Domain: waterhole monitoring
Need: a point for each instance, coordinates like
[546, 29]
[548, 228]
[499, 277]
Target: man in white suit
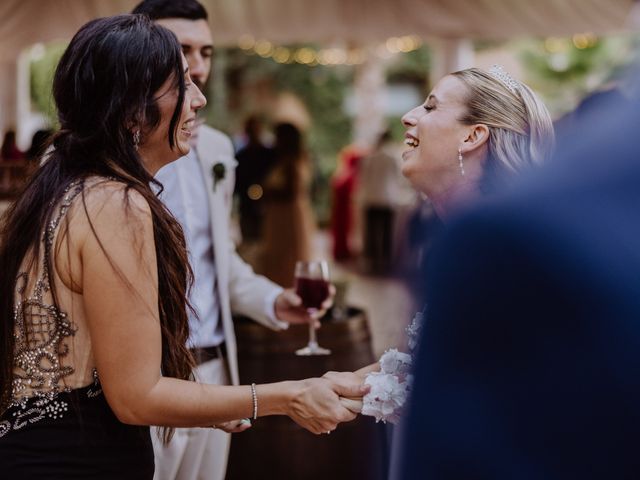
[198, 190]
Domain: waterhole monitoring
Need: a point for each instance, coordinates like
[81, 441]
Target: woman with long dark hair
[94, 275]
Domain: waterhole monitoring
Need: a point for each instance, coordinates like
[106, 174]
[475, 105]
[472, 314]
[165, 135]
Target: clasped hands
[317, 404]
[320, 408]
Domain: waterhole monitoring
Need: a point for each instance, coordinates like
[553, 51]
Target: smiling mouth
[411, 142]
[187, 126]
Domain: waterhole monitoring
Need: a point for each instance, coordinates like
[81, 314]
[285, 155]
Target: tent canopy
[349, 22]
[25, 22]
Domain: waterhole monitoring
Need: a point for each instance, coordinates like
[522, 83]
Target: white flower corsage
[390, 387]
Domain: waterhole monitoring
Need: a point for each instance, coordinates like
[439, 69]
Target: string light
[584, 40]
[246, 42]
[581, 41]
[326, 56]
[281, 55]
[264, 48]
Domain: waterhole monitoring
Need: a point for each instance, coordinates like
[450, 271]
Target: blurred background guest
[39, 144]
[10, 150]
[254, 161]
[289, 223]
[379, 192]
[343, 186]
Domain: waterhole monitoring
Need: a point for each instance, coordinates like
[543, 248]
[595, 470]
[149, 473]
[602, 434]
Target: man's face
[197, 45]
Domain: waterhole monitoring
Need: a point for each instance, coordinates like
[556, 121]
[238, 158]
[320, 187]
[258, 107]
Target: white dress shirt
[186, 197]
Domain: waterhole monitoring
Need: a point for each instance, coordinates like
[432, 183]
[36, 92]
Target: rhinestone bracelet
[254, 397]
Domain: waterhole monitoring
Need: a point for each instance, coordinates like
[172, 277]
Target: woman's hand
[289, 308]
[234, 426]
[345, 380]
[353, 404]
[364, 371]
[316, 404]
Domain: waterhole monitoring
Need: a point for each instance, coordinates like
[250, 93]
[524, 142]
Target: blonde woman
[473, 134]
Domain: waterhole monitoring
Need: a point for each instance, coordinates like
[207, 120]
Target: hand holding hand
[354, 404]
[234, 426]
[288, 308]
[317, 406]
[345, 380]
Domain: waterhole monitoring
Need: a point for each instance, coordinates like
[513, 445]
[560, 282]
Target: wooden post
[450, 55]
[8, 102]
[369, 91]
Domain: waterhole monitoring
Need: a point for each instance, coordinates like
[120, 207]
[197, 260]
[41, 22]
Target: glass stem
[313, 341]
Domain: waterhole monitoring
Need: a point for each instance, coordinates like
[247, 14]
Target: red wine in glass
[312, 291]
[312, 286]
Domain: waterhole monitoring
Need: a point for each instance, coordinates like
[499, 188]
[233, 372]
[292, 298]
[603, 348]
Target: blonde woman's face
[434, 134]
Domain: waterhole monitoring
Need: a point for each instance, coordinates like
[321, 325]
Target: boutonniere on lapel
[218, 171]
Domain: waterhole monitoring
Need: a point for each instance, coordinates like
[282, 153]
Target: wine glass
[312, 286]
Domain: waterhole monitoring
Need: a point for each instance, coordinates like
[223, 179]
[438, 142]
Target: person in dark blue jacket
[529, 361]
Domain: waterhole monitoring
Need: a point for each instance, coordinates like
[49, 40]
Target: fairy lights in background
[558, 49]
[354, 56]
[326, 56]
[580, 41]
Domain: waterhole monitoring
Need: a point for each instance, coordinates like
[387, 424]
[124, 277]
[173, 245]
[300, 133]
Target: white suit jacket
[240, 290]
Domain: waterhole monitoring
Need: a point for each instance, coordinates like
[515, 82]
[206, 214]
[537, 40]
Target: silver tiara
[499, 73]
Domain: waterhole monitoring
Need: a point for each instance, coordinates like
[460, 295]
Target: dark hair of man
[159, 9]
[104, 87]
[8, 144]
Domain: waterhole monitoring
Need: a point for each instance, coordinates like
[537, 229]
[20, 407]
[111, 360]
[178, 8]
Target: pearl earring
[460, 161]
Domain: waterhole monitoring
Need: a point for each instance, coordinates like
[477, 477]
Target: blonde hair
[520, 127]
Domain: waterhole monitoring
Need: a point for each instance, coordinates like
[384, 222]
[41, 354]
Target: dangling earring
[460, 161]
[136, 139]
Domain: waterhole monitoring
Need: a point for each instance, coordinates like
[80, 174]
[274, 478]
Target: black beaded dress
[47, 428]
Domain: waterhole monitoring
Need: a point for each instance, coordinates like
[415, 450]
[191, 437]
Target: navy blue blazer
[529, 362]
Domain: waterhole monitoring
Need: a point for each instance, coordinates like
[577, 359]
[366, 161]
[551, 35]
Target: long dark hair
[288, 143]
[289, 156]
[105, 84]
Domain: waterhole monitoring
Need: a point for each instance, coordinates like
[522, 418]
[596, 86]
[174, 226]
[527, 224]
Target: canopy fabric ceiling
[25, 22]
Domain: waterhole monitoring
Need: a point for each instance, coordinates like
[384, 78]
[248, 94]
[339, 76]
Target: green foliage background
[41, 80]
[322, 89]
[566, 75]
[562, 76]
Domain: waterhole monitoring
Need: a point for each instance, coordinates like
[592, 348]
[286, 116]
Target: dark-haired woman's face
[154, 147]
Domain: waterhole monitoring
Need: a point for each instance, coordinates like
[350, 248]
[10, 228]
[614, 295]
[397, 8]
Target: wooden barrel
[276, 447]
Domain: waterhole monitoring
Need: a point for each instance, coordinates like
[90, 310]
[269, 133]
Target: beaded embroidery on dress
[41, 336]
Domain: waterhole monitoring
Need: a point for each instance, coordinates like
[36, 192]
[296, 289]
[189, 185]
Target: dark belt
[204, 354]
